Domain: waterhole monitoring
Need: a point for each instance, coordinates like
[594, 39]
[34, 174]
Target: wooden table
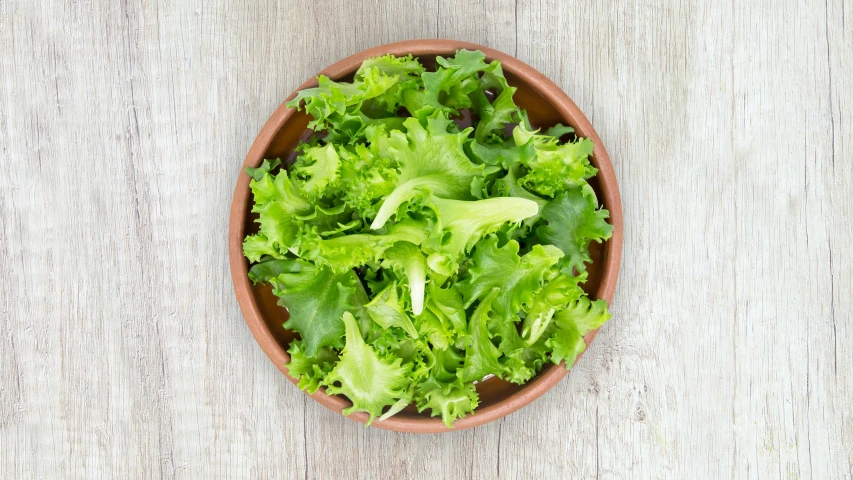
[123, 353]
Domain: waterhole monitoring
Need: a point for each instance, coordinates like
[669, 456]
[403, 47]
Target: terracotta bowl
[546, 105]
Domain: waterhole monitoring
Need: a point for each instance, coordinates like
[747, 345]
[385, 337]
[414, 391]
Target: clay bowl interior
[546, 105]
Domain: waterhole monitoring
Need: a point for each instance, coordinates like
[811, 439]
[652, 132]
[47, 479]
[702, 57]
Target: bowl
[546, 105]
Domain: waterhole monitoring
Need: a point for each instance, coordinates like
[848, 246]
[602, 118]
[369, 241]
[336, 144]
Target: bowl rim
[570, 113]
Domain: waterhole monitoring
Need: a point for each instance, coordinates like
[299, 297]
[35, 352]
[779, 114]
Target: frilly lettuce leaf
[431, 328]
[508, 186]
[343, 228]
[407, 260]
[403, 67]
[369, 178]
[333, 98]
[371, 383]
[346, 252]
[505, 154]
[317, 170]
[427, 157]
[578, 319]
[559, 130]
[481, 355]
[518, 278]
[555, 166]
[553, 297]
[310, 371]
[573, 222]
[460, 224]
[269, 268]
[268, 164]
[451, 401]
[348, 129]
[278, 201]
[388, 311]
[517, 370]
[449, 88]
[256, 247]
[446, 304]
[495, 115]
[316, 298]
[442, 392]
[443, 316]
[405, 70]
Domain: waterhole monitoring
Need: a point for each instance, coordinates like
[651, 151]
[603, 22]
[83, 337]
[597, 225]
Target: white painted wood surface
[123, 353]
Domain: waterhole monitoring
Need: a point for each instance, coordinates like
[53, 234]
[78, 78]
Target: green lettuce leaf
[387, 310]
[317, 170]
[403, 67]
[310, 371]
[407, 260]
[578, 319]
[446, 304]
[346, 252]
[368, 177]
[371, 383]
[316, 298]
[508, 186]
[461, 224]
[573, 222]
[442, 392]
[481, 355]
[350, 128]
[405, 70]
[449, 88]
[330, 97]
[505, 154]
[428, 157]
[257, 174]
[431, 328]
[518, 278]
[443, 316]
[269, 268]
[494, 116]
[277, 202]
[559, 130]
[455, 401]
[555, 167]
[552, 298]
[517, 371]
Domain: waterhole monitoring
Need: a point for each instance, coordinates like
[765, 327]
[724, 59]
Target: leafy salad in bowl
[427, 237]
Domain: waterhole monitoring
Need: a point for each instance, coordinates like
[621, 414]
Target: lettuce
[573, 222]
[407, 259]
[578, 319]
[518, 278]
[316, 298]
[310, 370]
[460, 224]
[278, 201]
[554, 166]
[387, 311]
[494, 116]
[370, 382]
[428, 157]
[417, 258]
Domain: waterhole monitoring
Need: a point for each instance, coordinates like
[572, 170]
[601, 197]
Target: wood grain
[123, 353]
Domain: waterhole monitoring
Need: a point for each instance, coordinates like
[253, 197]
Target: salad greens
[417, 254]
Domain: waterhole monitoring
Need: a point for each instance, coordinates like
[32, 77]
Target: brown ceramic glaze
[546, 105]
